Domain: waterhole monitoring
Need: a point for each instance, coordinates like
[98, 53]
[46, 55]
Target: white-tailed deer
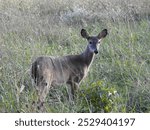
[50, 71]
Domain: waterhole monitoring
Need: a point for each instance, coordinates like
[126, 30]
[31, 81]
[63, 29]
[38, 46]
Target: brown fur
[49, 72]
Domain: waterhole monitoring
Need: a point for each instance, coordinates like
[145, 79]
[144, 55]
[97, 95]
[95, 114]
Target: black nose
[95, 51]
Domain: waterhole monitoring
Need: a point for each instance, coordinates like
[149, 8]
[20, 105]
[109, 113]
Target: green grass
[121, 69]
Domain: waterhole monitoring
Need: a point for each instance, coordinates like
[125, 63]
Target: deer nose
[95, 51]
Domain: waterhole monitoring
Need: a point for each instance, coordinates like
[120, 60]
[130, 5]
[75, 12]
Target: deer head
[93, 41]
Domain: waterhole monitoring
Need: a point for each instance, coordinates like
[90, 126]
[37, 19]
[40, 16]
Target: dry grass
[29, 28]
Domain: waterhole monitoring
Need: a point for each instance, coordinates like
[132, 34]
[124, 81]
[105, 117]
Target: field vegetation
[119, 78]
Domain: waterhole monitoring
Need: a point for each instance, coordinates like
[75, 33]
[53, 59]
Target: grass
[119, 78]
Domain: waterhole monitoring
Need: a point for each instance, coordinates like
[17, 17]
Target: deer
[51, 71]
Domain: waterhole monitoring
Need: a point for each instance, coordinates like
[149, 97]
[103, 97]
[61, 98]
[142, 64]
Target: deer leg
[74, 89]
[42, 93]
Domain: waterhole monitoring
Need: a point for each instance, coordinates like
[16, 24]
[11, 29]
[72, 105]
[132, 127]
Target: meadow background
[119, 78]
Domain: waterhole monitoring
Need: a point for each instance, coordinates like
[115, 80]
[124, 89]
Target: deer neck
[88, 56]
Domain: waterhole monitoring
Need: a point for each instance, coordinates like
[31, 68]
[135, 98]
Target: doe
[51, 71]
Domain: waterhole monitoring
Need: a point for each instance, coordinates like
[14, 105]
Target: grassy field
[119, 78]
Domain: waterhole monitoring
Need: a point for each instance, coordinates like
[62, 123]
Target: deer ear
[102, 34]
[84, 34]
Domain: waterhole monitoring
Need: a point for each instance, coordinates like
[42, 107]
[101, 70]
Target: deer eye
[90, 42]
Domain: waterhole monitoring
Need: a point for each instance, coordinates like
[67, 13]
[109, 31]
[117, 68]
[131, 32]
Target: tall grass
[30, 28]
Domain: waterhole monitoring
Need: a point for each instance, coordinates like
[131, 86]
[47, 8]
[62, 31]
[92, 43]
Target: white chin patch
[99, 40]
